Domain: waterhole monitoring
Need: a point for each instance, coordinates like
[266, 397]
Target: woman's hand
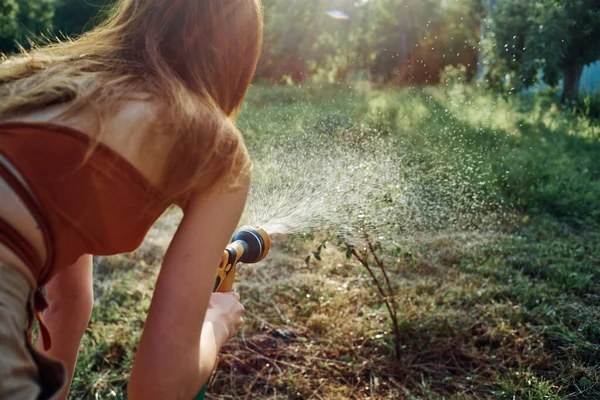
[225, 314]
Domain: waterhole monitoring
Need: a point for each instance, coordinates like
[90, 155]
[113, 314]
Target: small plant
[370, 259]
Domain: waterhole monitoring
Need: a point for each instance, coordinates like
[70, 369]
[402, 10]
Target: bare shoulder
[133, 132]
[133, 116]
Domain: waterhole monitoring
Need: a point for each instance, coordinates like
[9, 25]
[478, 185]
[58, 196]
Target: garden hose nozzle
[249, 244]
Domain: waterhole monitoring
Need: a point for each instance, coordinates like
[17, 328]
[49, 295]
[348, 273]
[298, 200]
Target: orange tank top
[85, 204]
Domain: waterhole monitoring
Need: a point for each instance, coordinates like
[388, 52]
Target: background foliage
[387, 41]
[26, 21]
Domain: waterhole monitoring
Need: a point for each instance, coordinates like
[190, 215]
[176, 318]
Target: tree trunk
[571, 86]
[402, 54]
[402, 49]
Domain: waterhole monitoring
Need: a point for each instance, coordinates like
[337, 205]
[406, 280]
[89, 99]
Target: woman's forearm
[67, 324]
[70, 302]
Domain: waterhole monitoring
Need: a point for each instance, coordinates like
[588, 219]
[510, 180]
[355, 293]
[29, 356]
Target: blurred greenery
[386, 40]
[23, 22]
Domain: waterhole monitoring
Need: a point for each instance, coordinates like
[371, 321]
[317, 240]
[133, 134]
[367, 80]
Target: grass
[508, 311]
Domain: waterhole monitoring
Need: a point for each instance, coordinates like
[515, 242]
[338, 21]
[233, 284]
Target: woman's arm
[170, 361]
[70, 301]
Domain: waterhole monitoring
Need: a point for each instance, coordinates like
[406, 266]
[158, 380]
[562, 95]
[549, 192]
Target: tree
[22, 21]
[555, 37]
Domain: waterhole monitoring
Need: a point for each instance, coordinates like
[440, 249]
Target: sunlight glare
[337, 14]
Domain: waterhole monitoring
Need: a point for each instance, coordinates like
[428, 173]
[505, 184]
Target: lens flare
[337, 14]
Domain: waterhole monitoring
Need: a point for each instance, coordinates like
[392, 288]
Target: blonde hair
[195, 57]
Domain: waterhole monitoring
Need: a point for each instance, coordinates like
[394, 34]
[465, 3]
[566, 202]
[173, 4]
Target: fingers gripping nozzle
[249, 244]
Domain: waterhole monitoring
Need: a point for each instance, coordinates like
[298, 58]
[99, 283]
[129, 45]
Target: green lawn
[484, 213]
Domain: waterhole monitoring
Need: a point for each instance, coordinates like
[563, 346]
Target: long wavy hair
[195, 58]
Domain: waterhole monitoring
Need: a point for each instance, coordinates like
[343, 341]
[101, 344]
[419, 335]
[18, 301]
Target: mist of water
[374, 186]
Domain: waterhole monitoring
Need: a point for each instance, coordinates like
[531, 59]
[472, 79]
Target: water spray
[249, 244]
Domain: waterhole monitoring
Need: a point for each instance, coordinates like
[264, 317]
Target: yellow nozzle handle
[226, 271]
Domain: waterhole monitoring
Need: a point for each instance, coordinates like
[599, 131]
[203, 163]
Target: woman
[98, 136]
